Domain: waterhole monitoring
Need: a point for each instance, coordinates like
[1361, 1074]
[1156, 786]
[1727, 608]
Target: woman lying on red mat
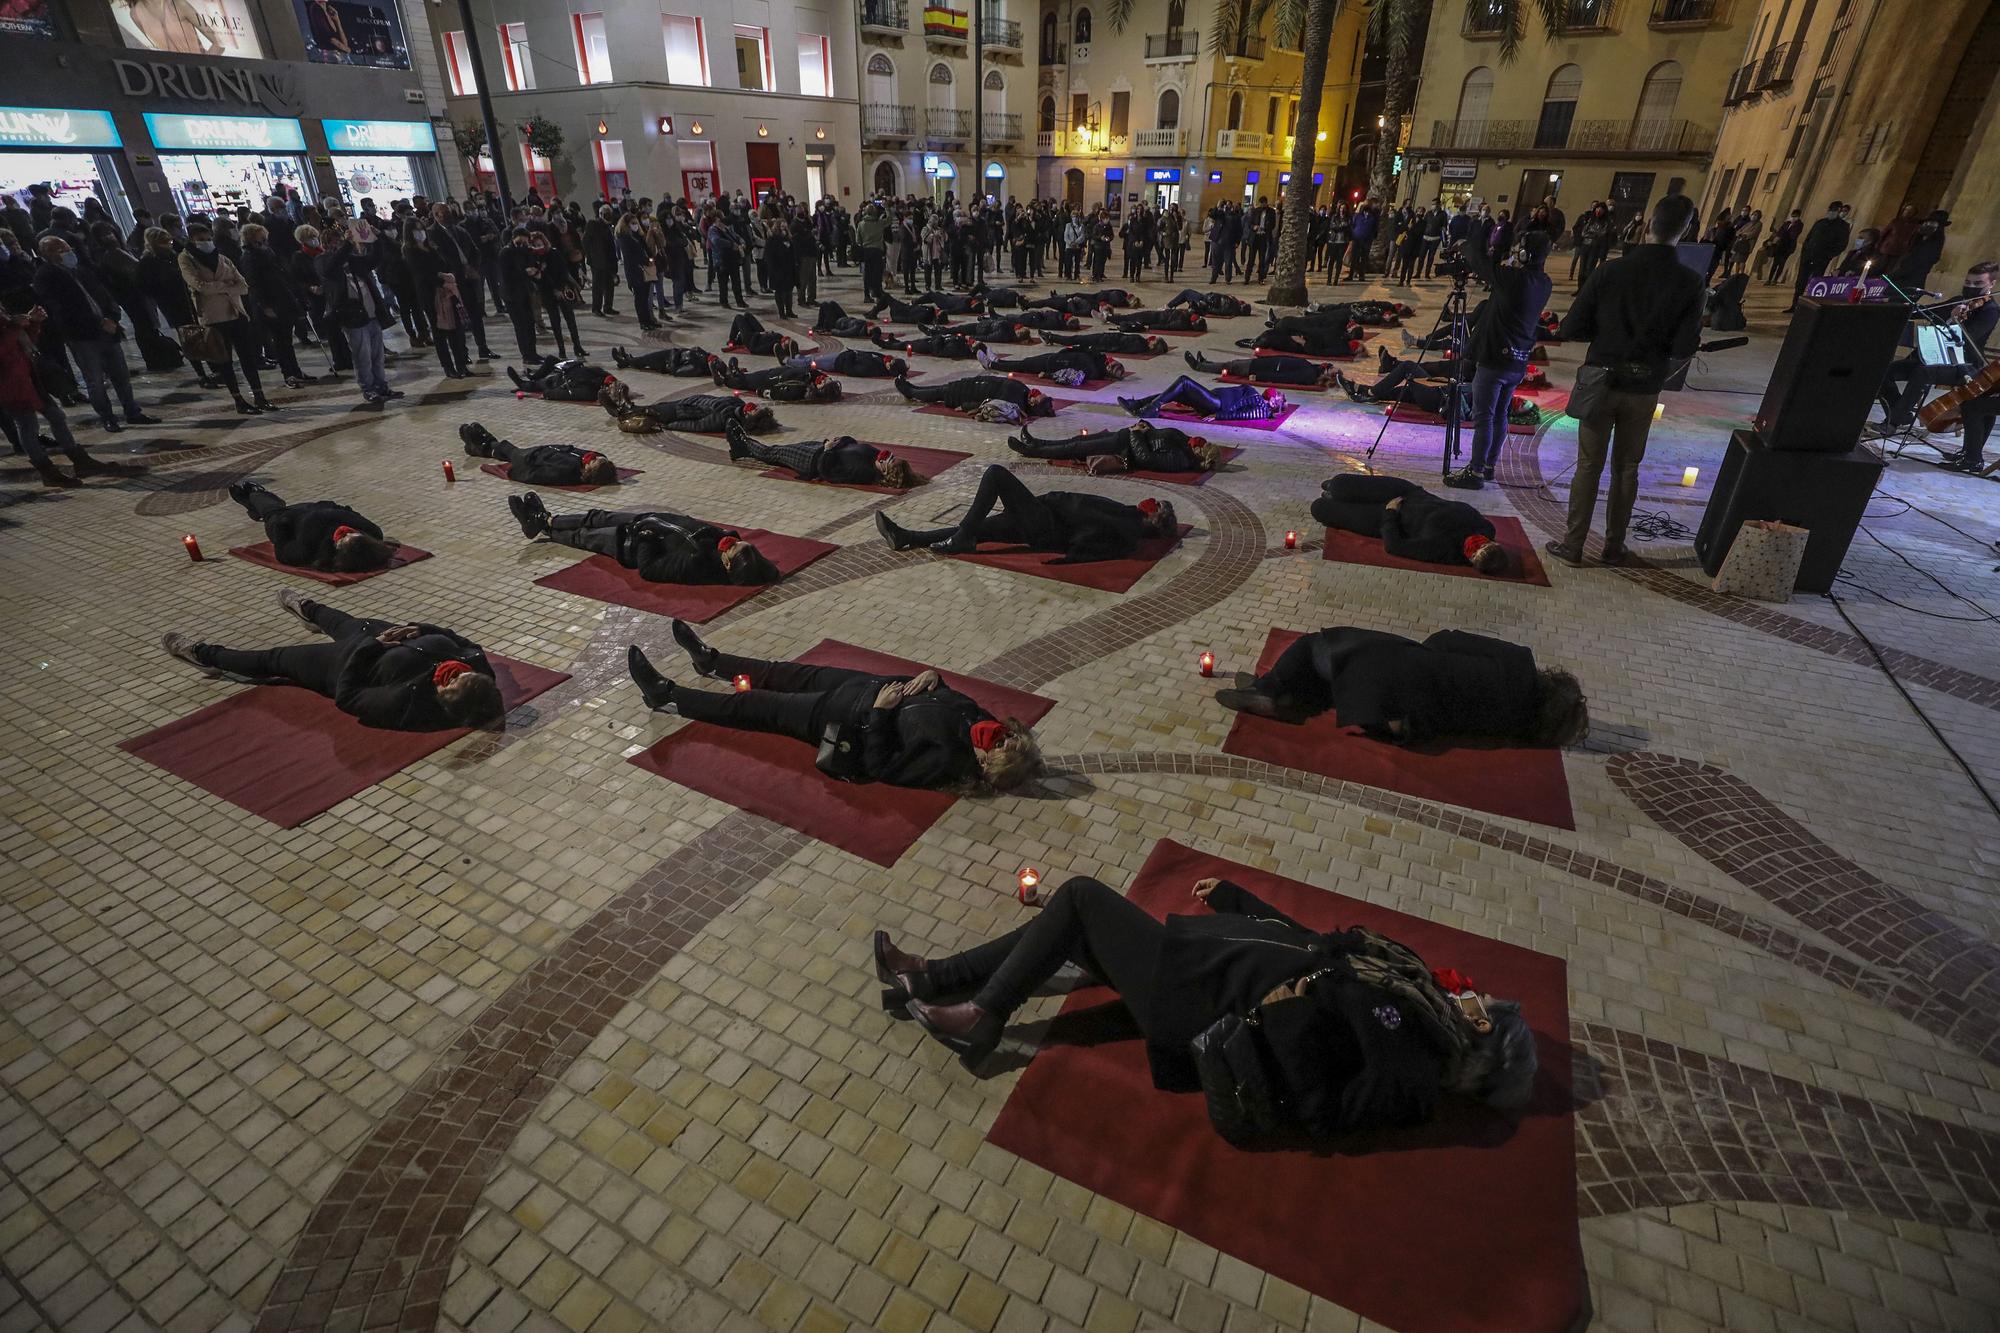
[1286, 1030]
[1275, 369]
[686, 362]
[1132, 344]
[1083, 527]
[1395, 689]
[1139, 447]
[1224, 402]
[1004, 329]
[1412, 523]
[572, 381]
[1331, 340]
[748, 334]
[842, 460]
[664, 547]
[318, 534]
[974, 393]
[788, 383]
[703, 413]
[907, 731]
[832, 319]
[413, 677]
[1211, 303]
[1428, 389]
[1065, 365]
[1183, 321]
[541, 464]
[950, 345]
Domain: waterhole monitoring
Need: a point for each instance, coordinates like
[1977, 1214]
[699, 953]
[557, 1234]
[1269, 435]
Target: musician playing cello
[1975, 318]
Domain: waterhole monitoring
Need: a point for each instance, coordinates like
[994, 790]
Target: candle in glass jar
[193, 547]
[1207, 663]
[449, 474]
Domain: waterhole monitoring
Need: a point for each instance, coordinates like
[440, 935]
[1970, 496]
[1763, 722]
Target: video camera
[1452, 264]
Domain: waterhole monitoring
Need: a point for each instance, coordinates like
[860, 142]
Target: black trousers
[275, 337]
[1085, 923]
[1023, 519]
[451, 351]
[1187, 392]
[472, 290]
[782, 283]
[315, 666]
[871, 272]
[260, 504]
[1303, 673]
[1402, 385]
[784, 698]
[599, 531]
[802, 458]
[603, 280]
[1078, 446]
[241, 340]
[1354, 503]
[1905, 383]
[521, 311]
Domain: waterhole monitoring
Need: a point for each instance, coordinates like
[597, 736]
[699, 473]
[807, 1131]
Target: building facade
[1829, 100]
[693, 97]
[1075, 109]
[1620, 106]
[211, 104]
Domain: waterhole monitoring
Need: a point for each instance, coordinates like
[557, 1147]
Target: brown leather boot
[964, 1028]
[904, 976]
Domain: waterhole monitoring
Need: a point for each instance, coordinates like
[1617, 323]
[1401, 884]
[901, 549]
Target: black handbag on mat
[1244, 1104]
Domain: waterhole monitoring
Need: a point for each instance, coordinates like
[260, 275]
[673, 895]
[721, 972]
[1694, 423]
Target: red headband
[728, 540]
[883, 455]
[1149, 507]
[1453, 981]
[342, 533]
[987, 734]
[589, 458]
[447, 672]
[1475, 544]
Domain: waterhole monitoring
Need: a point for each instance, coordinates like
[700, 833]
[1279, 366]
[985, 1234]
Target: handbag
[1763, 562]
[1243, 1103]
[1590, 394]
[201, 343]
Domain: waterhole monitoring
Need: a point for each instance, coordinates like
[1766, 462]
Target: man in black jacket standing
[1498, 345]
[1639, 313]
[1826, 242]
[84, 315]
[1083, 528]
[600, 252]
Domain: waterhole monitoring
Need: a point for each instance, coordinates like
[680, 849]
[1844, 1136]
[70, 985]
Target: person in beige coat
[218, 291]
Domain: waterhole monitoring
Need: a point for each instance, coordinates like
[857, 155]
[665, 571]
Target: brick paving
[523, 1038]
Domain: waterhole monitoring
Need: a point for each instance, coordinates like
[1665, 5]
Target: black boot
[654, 688]
[621, 358]
[964, 1028]
[700, 655]
[739, 441]
[899, 538]
[478, 440]
[904, 976]
[903, 386]
[530, 513]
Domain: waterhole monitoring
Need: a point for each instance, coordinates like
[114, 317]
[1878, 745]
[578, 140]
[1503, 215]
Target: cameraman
[1639, 313]
[1498, 345]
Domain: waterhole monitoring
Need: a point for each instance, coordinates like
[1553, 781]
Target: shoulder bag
[201, 343]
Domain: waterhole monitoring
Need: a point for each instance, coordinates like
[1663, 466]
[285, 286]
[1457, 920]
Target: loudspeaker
[1823, 493]
[1828, 373]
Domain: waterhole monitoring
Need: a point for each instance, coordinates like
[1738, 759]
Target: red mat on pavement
[1416, 416]
[1321, 357]
[1518, 781]
[1174, 412]
[773, 776]
[1363, 1225]
[1103, 575]
[1148, 474]
[1274, 384]
[940, 410]
[604, 579]
[286, 754]
[1524, 565]
[263, 554]
[926, 463]
[505, 472]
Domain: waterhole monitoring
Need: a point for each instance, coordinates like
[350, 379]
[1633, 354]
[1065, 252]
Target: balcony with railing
[1688, 13]
[883, 120]
[1002, 126]
[1488, 18]
[946, 25]
[946, 123]
[1164, 46]
[1049, 143]
[1589, 15]
[885, 16]
[1778, 65]
[1484, 18]
[1160, 143]
[1581, 138]
[1742, 85]
[1054, 54]
[1000, 34]
[1240, 143]
[1244, 48]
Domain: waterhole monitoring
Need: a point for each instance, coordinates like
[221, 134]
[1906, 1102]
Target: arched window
[941, 73]
[1049, 31]
[881, 80]
[994, 83]
[1235, 111]
[1559, 107]
[1176, 15]
[996, 93]
[1475, 97]
[1660, 93]
[940, 96]
[1169, 114]
[885, 179]
[1082, 30]
[1047, 122]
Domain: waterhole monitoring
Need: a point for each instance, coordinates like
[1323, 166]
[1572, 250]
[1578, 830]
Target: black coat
[271, 294]
[389, 685]
[549, 465]
[847, 461]
[1506, 334]
[302, 534]
[1159, 449]
[1431, 528]
[1642, 309]
[1451, 684]
[673, 548]
[159, 277]
[1092, 527]
[600, 246]
[77, 303]
[1346, 1055]
[1825, 241]
[925, 741]
[345, 276]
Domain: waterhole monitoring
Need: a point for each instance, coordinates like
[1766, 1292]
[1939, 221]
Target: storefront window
[209, 182]
[379, 178]
[72, 178]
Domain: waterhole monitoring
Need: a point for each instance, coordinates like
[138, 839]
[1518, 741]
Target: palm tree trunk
[1288, 285]
[1399, 88]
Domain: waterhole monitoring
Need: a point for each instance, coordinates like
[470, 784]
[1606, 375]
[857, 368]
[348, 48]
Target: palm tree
[1310, 22]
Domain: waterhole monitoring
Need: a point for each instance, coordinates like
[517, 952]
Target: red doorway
[762, 159]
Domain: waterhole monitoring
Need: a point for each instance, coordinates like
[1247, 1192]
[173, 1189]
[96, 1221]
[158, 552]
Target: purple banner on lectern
[1842, 289]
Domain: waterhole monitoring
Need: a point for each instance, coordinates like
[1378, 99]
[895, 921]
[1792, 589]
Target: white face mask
[206, 247]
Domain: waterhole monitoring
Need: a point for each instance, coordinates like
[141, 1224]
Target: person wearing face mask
[435, 287]
[24, 396]
[559, 288]
[273, 305]
[355, 301]
[459, 254]
[84, 315]
[521, 269]
[304, 269]
[387, 252]
[218, 289]
[1497, 347]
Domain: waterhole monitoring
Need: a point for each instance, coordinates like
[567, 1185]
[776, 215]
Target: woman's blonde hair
[306, 235]
[159, 238]
[1014, 760]
[253, 232]
[898, 473]
[1209, 456]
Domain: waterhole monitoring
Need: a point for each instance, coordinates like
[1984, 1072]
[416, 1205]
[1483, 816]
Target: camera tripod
[1451, 315]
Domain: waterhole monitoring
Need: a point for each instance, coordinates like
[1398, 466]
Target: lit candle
[193, 546]
[1207, 663]
[1291, 541]
[742, 684]
[1659, 410]
[1690, 475]
[1027, 881]
[449, 474]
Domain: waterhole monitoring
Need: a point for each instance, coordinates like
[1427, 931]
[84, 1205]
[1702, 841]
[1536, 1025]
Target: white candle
[1690, 475]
